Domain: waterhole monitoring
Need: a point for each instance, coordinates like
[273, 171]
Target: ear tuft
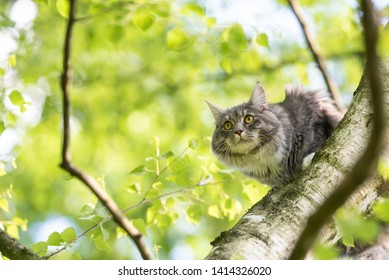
[215, 110]
[258, 97]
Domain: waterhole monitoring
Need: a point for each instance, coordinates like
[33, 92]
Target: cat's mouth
[242, 145]
[242, 137]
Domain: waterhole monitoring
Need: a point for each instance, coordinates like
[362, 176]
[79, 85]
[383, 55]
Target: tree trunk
[270, 229]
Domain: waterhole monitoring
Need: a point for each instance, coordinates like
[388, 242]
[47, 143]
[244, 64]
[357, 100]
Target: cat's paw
[307, 160]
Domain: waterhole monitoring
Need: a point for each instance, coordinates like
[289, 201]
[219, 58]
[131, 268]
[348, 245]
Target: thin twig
[315, 50]
[162, 171]
[67, 164]
[367, 163]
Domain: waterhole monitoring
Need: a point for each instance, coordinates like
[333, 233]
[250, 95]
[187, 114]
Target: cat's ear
[258, 97]
[216, 111]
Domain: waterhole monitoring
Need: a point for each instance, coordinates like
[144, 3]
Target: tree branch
[368, 161]
[315, 50]
[67, 164]
[13, 250]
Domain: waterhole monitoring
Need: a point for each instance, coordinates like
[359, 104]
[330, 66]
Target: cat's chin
[242, 147]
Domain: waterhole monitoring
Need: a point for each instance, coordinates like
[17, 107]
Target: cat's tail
[325, 103]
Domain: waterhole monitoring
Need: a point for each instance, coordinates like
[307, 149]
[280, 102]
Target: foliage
[141, 70]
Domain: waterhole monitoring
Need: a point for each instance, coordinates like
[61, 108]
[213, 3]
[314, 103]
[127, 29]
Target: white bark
[270, 229]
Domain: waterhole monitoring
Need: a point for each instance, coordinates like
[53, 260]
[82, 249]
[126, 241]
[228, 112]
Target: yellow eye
[228, 125]
[248, 119]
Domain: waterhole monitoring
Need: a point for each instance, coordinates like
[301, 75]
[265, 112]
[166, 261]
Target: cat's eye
[228, 125]
[248, 119]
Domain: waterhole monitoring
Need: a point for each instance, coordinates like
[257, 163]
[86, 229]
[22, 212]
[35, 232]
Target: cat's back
[306, 106]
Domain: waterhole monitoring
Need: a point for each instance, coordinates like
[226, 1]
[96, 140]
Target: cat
[269, 142]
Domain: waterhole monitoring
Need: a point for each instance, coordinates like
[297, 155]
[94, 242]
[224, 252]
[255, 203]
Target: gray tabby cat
[270, 142]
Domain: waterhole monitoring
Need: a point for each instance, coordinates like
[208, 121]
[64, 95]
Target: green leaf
[116, 33]
[262, 40]
[101, 244]
[231, 208]
[101, 210]
[226, 65]
[174, 215]
[383, 168]
[381, 209]
[63, 8]
[11, 118]
[16, 98]
[163, 221]
[348, 240]
[170, 202]
[235, 37]
[2, 171]
[12, 60]
[22, 223]
[177, 40]
[153, 211]
[140, 225]
[55, 239]
[140, 170]
[2, 127]
[39, 248]
[179, 164]
[120, 232]
[162, 10]
[68, 235]
[134, 188]
[214, 211]
[193, 144]
[383, 43]
[144, 21]
[254, 192]
[194, 213]
[367, 231]
[322, 252]
[105, 233]
[13, 231]
[76, 256]
[2, 72]
[193, 7]
[183, 178]
[353, 225]
[88, 211]
[210, 21]
[166, 155]
[4, 203]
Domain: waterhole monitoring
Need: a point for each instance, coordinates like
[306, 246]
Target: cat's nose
[238, 131]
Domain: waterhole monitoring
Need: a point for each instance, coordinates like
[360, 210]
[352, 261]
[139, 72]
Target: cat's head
[245, 128]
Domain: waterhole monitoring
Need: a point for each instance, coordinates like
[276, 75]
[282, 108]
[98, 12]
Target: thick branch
[368, 161]
[13, 250]
[67, 164]
[315, 50]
